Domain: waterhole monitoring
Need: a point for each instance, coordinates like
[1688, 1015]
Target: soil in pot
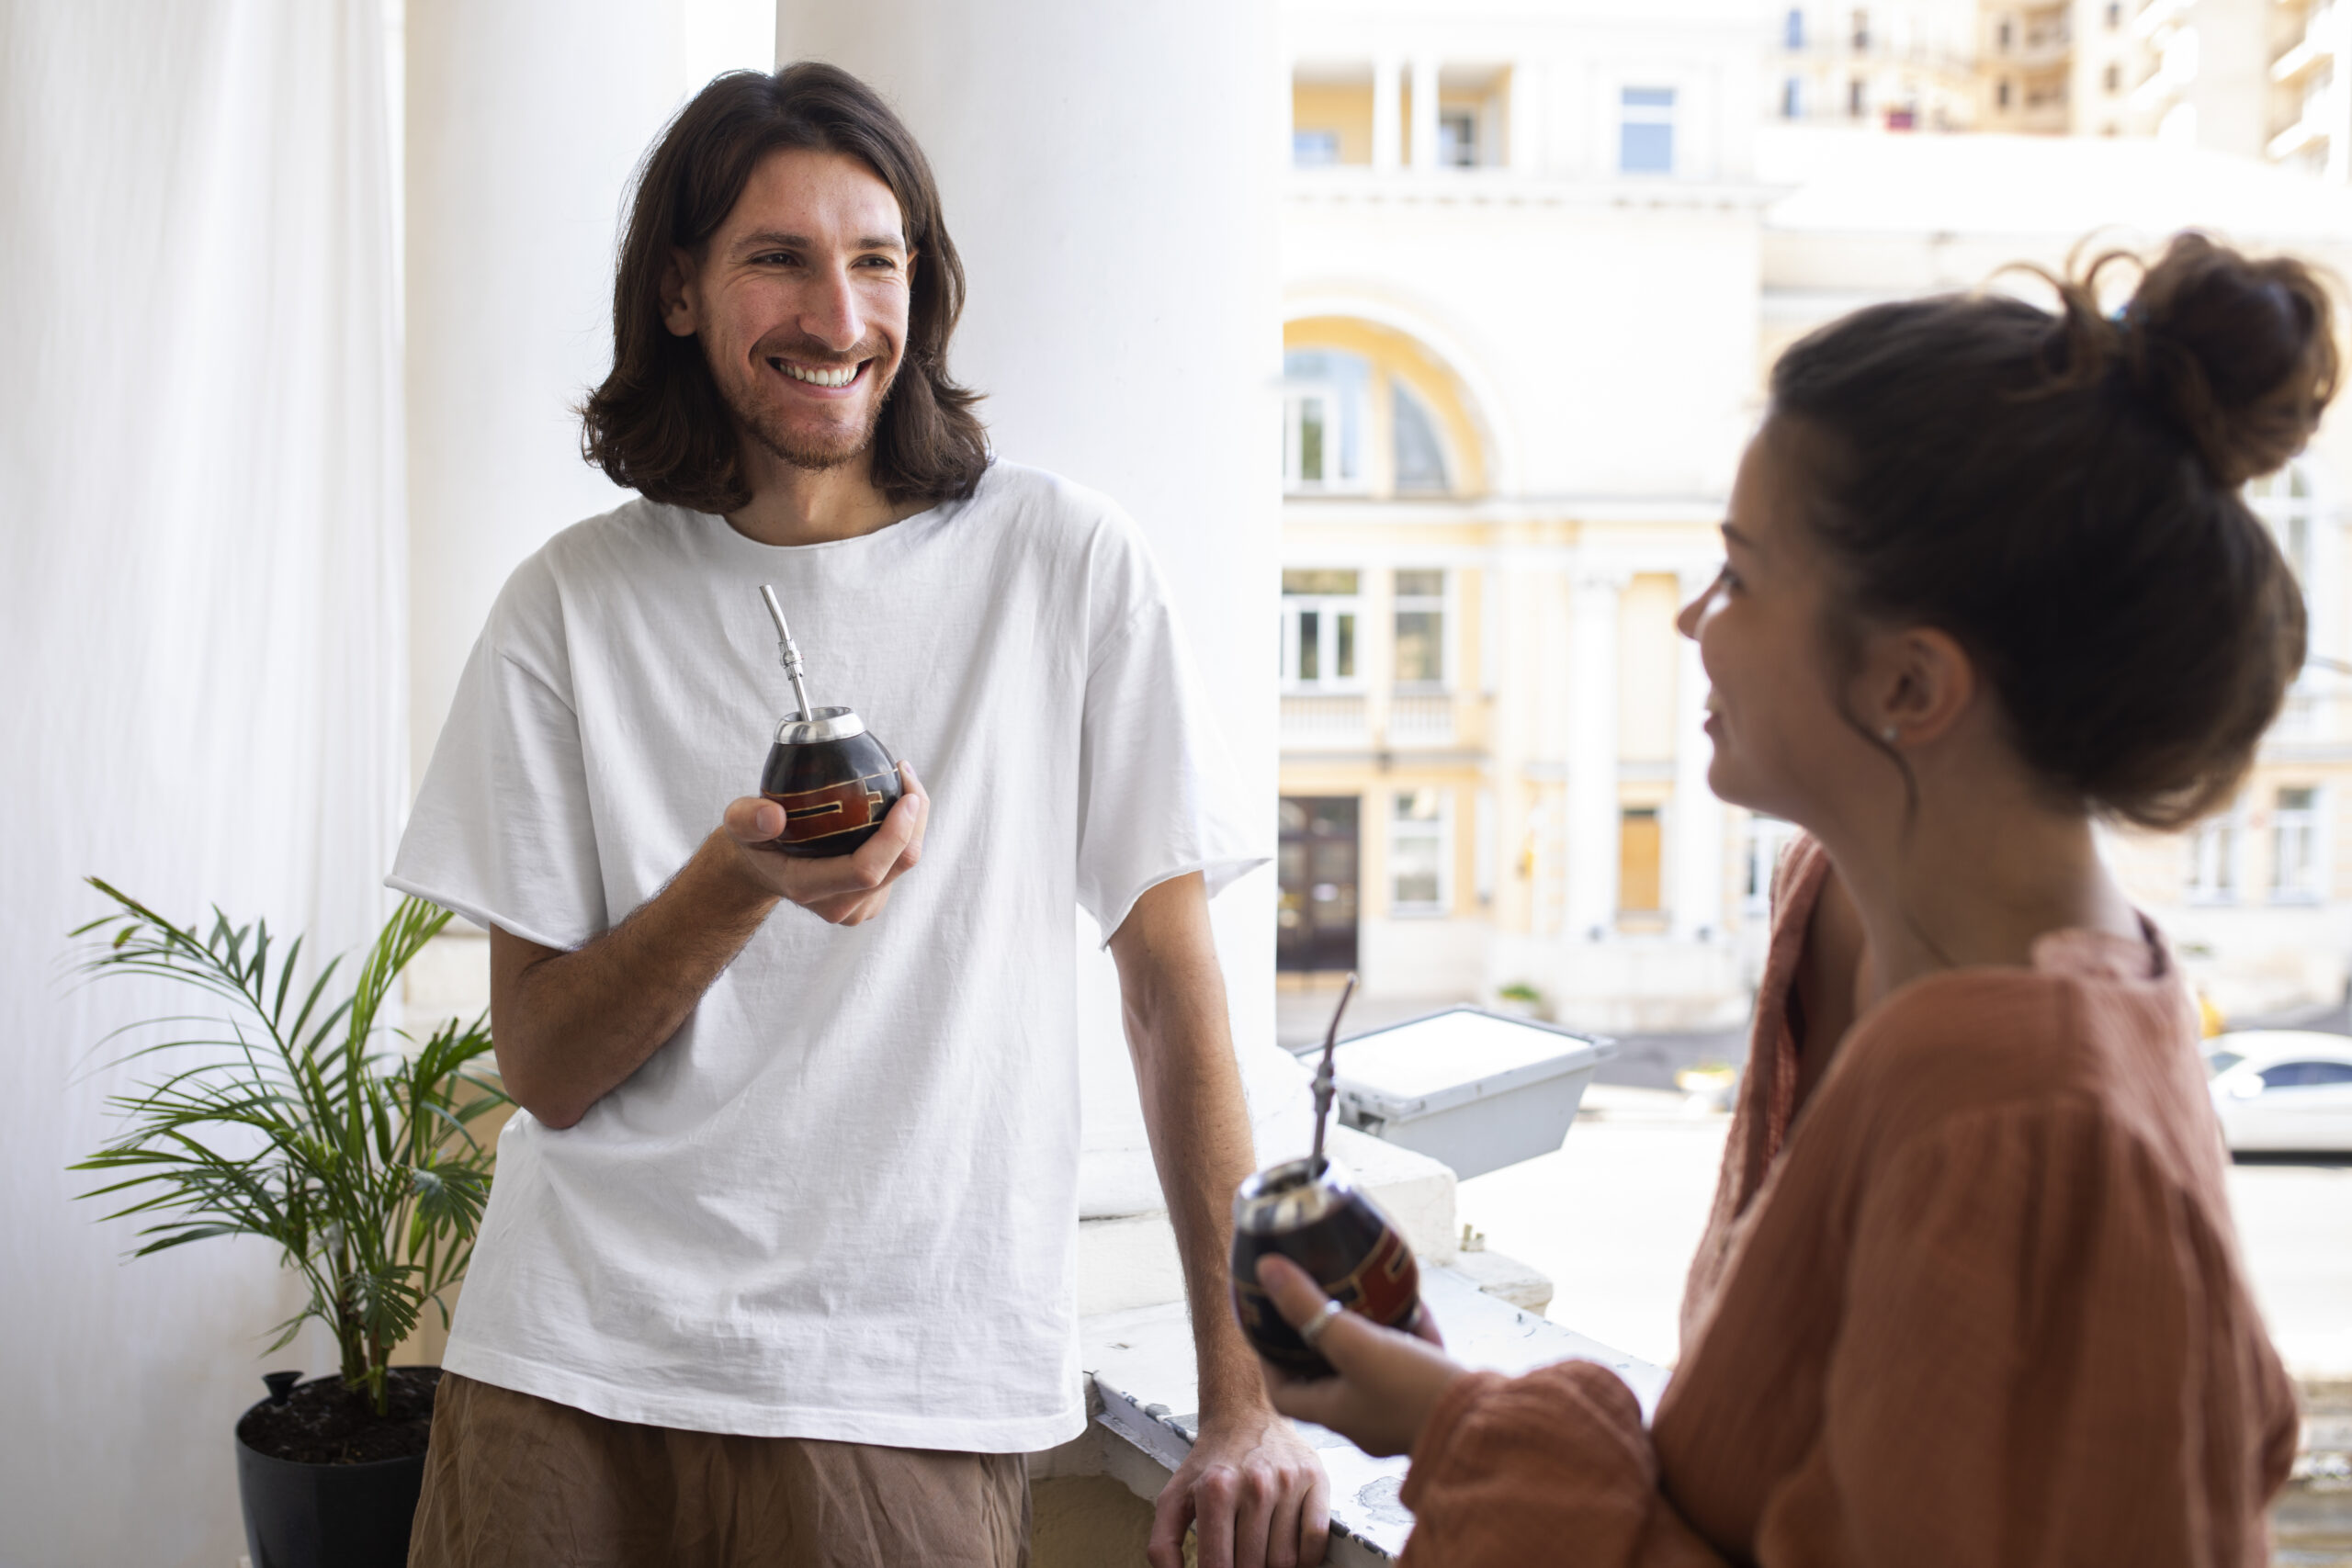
[328, 1484]
[325, 1423]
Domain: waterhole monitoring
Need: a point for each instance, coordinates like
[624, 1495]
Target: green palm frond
[302, 1119]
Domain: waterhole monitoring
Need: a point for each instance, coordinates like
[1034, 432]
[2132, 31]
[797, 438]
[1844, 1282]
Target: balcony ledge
[1143, 1393]
[1362, 185]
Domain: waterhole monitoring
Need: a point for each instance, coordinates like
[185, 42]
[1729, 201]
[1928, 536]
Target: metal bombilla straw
[793, 669]
[1324, 1088]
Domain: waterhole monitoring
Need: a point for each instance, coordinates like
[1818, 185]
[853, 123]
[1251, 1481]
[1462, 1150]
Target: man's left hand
[1253, 1489]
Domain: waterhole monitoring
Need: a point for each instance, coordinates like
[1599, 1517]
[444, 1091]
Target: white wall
[526, 118]
[200, 453]
[1644, 380]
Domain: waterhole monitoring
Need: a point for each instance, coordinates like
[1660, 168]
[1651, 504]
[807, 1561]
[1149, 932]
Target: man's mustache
[807, 351]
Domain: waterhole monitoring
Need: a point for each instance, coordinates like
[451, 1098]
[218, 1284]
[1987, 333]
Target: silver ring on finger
[1314, 1327]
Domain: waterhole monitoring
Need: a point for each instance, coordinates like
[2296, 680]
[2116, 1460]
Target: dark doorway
[1316, 928]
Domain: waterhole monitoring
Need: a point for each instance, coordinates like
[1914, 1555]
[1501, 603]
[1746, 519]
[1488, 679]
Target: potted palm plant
[291, 1112]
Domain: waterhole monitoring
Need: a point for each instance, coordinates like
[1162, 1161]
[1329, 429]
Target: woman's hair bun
[2240, 354]
[2064, 494]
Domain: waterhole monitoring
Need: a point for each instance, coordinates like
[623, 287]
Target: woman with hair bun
[1969, 1294]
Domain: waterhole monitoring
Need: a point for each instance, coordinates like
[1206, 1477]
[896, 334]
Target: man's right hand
[571, 1026]
[848, 889]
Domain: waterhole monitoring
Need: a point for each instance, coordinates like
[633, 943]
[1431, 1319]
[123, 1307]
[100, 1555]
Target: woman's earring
[1891, 734]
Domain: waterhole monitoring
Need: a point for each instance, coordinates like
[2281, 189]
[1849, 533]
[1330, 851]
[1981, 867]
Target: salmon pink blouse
[1977, 1302]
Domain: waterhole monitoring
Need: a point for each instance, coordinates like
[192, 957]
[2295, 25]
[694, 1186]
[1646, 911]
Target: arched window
[1369, 412]
[1421, 457]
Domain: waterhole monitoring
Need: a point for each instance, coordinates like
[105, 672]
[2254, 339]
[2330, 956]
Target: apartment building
[1492, 770]
[2254, 78]
[2310, 118]
[1901, 67]
[1535, 267]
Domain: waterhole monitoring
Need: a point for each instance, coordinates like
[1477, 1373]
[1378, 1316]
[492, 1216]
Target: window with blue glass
[1420, 458]
[1645, 131]
[1792, 31]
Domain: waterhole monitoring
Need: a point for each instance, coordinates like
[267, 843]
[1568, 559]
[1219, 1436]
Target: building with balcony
[1519, 263]
[1535, 274]
[2026, 55]
[1901, 67]
[2256, 78]
[2310, 124]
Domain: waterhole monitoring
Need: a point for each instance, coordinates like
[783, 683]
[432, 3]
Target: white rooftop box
[1476, 1089]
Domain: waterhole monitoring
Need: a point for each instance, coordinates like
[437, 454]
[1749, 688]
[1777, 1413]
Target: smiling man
[778, 1266]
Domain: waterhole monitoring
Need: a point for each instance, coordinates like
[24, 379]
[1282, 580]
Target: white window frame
[1327, 608]
[1440, 832]
[1442, 602]
[1299, 140]
[2292, 519]
[1670, 115]
[1457, 112]
[2216, 849]
[1484, 848]
[2307, 882]
[1295, 396]
[2300, 524]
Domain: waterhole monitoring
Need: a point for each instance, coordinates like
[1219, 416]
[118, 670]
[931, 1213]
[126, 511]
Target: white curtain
[201, 553]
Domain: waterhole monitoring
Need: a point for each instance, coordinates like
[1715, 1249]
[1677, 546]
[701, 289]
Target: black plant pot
[327, 1516]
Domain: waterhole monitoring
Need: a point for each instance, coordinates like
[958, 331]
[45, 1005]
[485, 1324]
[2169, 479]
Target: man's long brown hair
[658, 423]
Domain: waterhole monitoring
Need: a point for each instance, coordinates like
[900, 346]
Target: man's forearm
[570, 1027]
[1203, 1152]
[1194, 1108]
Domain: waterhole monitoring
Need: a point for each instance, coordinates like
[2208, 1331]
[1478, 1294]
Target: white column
[524, 119]
[1696, 855]
[1387, 113]
[1424, 113]
[1593, 825]
[2323, 599]
[1520, 151]
[1285, 127]
[1082, 150]
[2339, 94]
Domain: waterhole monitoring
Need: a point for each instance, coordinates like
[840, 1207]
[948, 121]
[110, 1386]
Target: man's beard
[812, 454]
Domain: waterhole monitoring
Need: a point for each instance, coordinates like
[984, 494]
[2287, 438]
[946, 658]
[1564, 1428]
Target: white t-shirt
[842, 1202]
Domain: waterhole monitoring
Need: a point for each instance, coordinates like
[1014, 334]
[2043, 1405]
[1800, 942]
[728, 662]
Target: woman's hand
[1388, 1382]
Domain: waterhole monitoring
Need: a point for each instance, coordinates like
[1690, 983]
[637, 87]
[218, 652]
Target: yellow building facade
[1536, 270]
[1493, 779]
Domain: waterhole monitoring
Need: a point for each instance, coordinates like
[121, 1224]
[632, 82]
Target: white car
[2282, 1089]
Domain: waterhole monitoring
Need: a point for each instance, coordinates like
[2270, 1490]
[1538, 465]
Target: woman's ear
[1915, 684]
